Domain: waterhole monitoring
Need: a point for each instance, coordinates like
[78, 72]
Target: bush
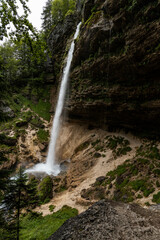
[45, 189]
[51, 208]
[156, 198]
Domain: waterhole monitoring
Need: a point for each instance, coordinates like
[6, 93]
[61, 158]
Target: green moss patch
[93, 18]
[43, 135]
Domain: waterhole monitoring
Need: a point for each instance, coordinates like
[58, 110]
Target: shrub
[45, 189]
[156, 198]
[51, 208]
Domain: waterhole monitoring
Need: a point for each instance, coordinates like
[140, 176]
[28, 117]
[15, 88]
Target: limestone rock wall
[115, 79]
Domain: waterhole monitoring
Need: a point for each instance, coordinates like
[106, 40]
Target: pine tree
[6, 229]
[47, 20]
[19, 194]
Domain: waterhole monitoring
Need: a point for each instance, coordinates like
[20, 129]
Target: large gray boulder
[111, 221]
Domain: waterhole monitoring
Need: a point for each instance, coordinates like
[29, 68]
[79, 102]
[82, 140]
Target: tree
[61, 8]
[20, 62]
[19, 194]
[47, 21]
[4, 178]
[9, 14]
[8, 62]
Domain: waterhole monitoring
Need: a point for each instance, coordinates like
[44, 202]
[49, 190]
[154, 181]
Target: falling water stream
[51, 166]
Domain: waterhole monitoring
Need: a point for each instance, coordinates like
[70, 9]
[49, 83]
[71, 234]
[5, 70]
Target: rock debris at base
[111, 220]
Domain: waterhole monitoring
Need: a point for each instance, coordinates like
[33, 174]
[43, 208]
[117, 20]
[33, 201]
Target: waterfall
[51, 167]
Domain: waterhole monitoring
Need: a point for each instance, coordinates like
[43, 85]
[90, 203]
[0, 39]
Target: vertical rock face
[57, 42]
[110, 220]
[115, 72]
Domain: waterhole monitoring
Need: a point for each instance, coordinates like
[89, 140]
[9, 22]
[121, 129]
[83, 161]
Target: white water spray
[51, 167]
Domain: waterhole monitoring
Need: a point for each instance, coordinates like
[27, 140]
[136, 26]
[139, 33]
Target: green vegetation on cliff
[136, 178]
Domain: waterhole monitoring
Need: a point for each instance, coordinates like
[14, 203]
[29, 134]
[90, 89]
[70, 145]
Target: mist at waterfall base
[51, 167]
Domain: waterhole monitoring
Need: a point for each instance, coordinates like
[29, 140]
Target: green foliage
[36, 121]
[40, 228]
[157, 171]
[119, 170]
[132, 5]
[42, 135]
[96, 142]
[141, 167]
[118, 145]
[4, 174]
[62, 8]
[157, 48]
[157, 184]
[137, 184]
[47, 21]
[156, 198]
[82, 146]
[93, 18]
[9, 14]
[51, 208]
[18, 194]
[149, 151]
[45, 189]
[20, 60]
[32, 192]
[42, 107]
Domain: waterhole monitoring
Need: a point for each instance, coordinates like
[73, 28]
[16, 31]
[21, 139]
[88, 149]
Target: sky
[36, 7]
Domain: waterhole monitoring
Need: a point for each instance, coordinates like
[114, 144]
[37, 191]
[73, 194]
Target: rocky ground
[111, 220]
[92, 172]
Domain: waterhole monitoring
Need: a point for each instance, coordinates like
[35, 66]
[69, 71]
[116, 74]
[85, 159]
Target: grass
[26, 99]
[34, 226]
[42, 108]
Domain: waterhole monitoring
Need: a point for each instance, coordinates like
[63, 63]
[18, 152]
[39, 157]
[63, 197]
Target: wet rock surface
[57, 43]
[115, 70]
[111, 220]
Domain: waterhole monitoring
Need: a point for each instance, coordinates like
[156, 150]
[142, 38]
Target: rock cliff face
[115, 72]
[57, 42]
[110, 220]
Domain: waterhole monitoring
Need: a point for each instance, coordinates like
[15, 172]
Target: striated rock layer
[115, 78]
[111, 220]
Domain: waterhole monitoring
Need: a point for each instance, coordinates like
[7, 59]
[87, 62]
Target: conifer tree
[47, 21]
[19, 194]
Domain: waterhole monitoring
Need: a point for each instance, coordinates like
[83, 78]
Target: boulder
[107, 220]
